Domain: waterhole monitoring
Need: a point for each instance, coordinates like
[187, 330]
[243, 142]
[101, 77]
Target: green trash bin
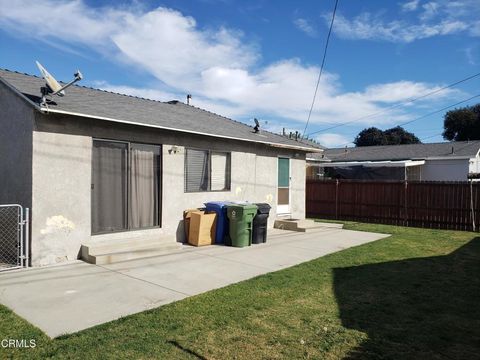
[240, 225]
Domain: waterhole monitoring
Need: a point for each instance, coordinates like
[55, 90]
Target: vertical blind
[206, 170]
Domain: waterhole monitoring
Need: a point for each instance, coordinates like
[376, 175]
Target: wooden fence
[441, 205]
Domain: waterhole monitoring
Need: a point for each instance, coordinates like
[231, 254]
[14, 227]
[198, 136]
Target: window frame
[127, 192]
[227, 174]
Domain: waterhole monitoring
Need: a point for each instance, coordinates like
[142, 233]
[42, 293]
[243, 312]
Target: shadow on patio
[414, 308]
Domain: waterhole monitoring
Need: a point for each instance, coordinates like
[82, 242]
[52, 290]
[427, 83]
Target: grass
[412, 295]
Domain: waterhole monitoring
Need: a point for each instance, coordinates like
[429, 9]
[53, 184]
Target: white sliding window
[207, 170]
[220, 174]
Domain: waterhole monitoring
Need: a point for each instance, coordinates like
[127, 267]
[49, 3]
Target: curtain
[109, 186]
[144, 185]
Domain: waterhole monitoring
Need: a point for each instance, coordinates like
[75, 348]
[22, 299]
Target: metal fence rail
[14, 237]
[440, 205]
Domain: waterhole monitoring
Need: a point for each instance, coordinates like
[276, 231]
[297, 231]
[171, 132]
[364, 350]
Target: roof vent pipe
[189, 96]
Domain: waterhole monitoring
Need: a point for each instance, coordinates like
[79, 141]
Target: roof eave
[277, 145]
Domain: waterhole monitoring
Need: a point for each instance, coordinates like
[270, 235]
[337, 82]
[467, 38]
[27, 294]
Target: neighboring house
[96, 166]
[448, 161]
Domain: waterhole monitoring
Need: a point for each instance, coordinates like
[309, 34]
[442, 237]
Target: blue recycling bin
[220, 208]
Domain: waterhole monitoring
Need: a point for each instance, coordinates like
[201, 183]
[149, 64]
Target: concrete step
[128, 249]
[118, 245]
[303, 225]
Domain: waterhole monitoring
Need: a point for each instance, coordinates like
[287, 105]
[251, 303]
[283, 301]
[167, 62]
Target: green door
[283, 196]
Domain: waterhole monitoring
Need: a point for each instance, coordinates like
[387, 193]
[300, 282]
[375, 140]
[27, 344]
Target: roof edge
[300, 148]
[19, 94]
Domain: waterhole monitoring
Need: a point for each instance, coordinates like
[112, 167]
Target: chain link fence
[13, 237]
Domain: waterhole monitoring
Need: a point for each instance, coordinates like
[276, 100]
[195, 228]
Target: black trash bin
[259, 234]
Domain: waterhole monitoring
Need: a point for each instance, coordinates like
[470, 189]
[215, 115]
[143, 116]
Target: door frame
[127, 191]
[285, 209]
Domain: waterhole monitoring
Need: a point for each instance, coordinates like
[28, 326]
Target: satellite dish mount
[256, 128]
[52, 86]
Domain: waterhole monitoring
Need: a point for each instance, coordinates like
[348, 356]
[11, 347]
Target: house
[448, 161]
[97, 167]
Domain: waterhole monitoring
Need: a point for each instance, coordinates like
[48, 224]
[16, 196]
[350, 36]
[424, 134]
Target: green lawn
[413, 295]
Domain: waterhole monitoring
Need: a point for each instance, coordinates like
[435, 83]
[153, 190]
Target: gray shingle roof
[170, 115]
[400, 152]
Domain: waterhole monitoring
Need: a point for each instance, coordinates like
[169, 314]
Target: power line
[429, 114]
[409, 101]
[321, 68]
[437, 111]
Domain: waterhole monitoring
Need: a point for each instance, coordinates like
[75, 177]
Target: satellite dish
[256, 129]
[53, 87]
[51, 82]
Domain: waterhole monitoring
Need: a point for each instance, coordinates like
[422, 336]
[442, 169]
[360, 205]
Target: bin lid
[246, 206]
[242, 208]
[217, 204]
[263, 208]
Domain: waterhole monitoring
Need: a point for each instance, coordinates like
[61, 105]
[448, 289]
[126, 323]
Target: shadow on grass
[188, 351]
[414, 308]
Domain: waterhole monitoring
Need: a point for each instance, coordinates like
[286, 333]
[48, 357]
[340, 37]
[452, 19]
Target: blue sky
[247, 59]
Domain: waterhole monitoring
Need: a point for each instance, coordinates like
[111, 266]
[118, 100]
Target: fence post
[27, 237]
[336, 200]
[471, 206]
[405, 220]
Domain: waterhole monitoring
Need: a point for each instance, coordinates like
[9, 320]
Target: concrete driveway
[68, 298]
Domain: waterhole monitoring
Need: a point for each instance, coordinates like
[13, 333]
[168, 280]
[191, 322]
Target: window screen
[206, 170]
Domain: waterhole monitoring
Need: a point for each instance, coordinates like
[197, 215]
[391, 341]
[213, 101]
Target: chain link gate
[14, 237]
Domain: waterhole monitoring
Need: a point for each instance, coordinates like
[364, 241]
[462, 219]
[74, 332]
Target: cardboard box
[202, 228]
[186, 220]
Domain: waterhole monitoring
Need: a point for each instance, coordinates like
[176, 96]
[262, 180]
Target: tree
[373, 136]
[370, 137]
[398, 135]
[462, 124]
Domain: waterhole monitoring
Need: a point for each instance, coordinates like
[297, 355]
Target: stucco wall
[61, 196]
[62, 181]
[16, 123]
[254, 179]
[445, 170]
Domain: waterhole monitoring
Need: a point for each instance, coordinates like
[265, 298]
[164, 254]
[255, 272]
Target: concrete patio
[69, 298]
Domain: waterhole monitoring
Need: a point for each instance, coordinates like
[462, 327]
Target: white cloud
[176, 51]
[470, 54]
[434, 18]
[305, 26]
[401, 91]
[430, 10]
[369, 27]
[331, 140]
[216, 65]
[410, 5]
